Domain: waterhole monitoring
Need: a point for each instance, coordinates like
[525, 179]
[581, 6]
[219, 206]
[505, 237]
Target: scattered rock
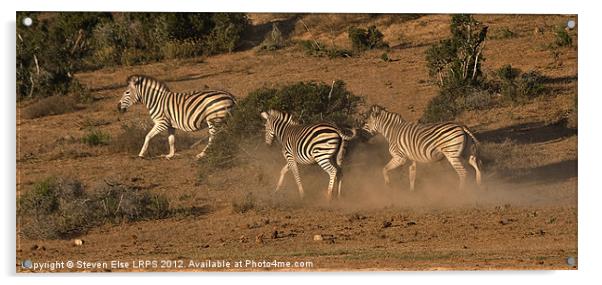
[274, 234]
[243, 239]
[204, 246]
[356, 217]
[34, 247]
[325, 237]
[465, 247]
[386, 224]
[411, 223]
[259, 239]
[78, 242]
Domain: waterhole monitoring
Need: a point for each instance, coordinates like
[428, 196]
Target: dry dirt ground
[525, 219]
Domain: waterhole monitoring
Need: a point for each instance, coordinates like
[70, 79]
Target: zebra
[191, 111]
[423, 143]
[320, 143]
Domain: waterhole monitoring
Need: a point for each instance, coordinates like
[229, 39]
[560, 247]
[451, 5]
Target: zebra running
[191, 111]
[423, 143]
[320, 143]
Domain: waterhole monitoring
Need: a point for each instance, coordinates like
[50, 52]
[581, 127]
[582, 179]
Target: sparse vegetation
[95, 137]
[316, 48]
[243, 204]
[562, 37]
[61, 207]
[505, 33]
[55, 105]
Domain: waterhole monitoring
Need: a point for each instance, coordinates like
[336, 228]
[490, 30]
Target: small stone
[274, 234]
[318, 237]
[411, 223]
[259, 239]
[34, 247]
[78, 242]
[386, 224]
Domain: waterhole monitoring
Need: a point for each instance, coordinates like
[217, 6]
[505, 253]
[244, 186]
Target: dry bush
[61, 208]
[54, 105]
[243, 204]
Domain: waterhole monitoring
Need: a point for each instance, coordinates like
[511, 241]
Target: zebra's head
[131, 95]
[274, 121]
[371, 124]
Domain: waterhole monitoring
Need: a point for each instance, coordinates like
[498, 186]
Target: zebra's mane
[137, 79]
[282, 115]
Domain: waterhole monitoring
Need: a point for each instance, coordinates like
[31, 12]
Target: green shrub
[318, 49]
[226, 33]
[505, 33]
[562, 37]
[385, 57]
[96, 137]
[309, 102]
[61, 207]
[517, 87]
[362, 39]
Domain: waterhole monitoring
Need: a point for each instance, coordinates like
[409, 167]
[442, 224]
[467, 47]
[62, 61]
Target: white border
[589, 110]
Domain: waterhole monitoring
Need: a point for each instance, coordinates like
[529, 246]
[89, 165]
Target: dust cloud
[364, 187]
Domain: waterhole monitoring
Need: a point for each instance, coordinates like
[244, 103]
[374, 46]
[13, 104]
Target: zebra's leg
[340, 182]
[458, 165]
[332, 171]
[282, 174]
[157, 128]
[395, 162]
[340, 156]
[172, 142]
[412, 175]
[212, 131]
[472, 160]
[292, 165]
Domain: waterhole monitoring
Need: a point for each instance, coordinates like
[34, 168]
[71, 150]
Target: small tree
[456, 64]
[457, 60]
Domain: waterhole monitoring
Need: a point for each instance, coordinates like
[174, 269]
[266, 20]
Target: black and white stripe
[424, 143]
[191, 111]
[320, 143]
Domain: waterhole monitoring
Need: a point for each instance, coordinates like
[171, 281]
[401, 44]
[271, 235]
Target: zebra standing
[191, 111]
[320, 143]
[424, 143]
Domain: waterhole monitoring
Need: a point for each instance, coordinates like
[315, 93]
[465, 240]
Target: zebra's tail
[474, 139]
[348, 138]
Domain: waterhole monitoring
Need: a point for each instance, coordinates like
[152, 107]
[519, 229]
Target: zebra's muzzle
[120, 109]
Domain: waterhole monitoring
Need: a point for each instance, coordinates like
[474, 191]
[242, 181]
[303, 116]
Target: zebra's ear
[264, 115]
[375, 109]
[133, 79]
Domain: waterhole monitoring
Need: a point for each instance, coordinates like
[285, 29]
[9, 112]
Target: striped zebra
[320, 143]
[191, 111]
[424, 143]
